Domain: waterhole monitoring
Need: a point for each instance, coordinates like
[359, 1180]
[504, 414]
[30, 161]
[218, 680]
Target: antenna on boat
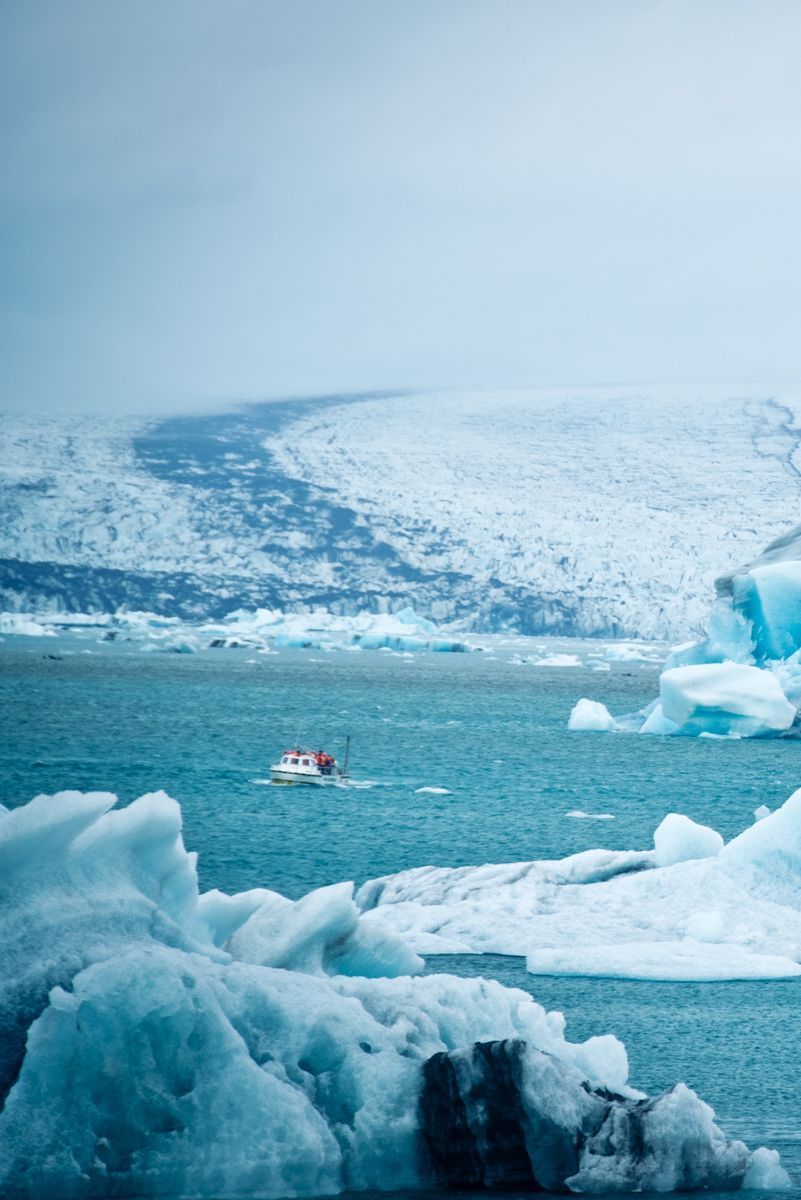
[347, 756]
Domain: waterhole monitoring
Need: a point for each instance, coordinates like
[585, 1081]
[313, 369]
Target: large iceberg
[725, 699]
[154, 1041]
[691, 908]
[744, 678]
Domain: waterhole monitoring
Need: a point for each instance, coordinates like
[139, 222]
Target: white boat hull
[288, 775]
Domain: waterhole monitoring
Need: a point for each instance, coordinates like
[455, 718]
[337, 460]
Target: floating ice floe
[691, 908]
[744, 678]
[724, 698]
[262, 629]
[155, 1041]
[578, 814]
[554, 660]
[24, 625]
[627, 652]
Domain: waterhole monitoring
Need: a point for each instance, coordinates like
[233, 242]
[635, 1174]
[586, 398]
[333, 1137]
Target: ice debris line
[263, 630]
[155, 1041]
[744, 678]
[691, 908]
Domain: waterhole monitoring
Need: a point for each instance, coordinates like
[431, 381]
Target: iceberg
[159, 1041]
[591, 715]
[24, 625]
[691, 908]
[724, 698]
[744, 678]
[678, 839]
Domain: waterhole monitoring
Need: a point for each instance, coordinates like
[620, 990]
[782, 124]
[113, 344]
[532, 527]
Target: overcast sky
[212, 200]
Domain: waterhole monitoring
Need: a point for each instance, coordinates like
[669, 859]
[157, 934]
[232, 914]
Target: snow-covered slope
[594, 512]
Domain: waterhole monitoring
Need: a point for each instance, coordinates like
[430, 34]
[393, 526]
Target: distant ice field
[589, 512]
[594, 500]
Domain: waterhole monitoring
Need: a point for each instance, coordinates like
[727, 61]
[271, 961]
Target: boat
[309, 766]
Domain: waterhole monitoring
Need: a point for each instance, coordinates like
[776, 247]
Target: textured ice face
[744, 678]
[517, 509]
[502, 1115]
[686, 910]
[149, 1050]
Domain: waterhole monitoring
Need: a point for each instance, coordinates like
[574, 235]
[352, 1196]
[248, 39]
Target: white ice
[592, 913]
[591, 715]
[526, 541]
[724, 698]
[678, 839]
[154, 1041]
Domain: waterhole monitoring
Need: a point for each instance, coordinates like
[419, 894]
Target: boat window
[306, 762]
[284, 759]
[294, 760]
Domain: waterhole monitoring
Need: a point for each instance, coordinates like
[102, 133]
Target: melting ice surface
[690, 908]
[158, 1040]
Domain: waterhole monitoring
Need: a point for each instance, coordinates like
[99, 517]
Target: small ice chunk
[765, 1172]
[432, 791]
[761, 812]
[626, 652]
[679, 839]
[591, 715]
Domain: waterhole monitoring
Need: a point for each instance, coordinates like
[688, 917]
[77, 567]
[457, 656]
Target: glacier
[159, 1041]
[587, 512]
[690, 908]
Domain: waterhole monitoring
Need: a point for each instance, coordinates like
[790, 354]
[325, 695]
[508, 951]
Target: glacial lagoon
[488, 732]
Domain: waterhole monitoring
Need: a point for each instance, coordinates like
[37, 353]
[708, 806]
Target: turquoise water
[206, 727]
